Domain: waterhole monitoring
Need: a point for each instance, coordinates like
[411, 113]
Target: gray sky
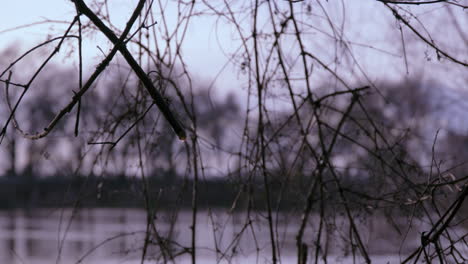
[371, 30]
[204, 57]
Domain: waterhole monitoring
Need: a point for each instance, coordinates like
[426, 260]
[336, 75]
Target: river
[105, 235]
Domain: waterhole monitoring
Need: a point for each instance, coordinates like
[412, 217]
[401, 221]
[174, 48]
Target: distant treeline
[27, 191]
[170, 191]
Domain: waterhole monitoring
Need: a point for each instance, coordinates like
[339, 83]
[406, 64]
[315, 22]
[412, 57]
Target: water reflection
[117, 235]
[66, 236]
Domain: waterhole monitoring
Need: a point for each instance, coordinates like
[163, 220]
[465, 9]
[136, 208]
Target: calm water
[116, 236]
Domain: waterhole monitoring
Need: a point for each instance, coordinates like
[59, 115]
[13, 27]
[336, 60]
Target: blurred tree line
[406, 120]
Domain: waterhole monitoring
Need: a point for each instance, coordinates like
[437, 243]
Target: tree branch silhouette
[121, 47]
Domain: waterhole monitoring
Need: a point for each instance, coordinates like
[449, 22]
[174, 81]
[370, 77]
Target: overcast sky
[202, 52]
[366, 23]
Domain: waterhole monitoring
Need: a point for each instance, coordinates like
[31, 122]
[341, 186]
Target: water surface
[117, 236]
